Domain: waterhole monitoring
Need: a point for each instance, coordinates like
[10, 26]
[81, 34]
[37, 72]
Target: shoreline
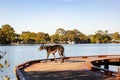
[17, 44]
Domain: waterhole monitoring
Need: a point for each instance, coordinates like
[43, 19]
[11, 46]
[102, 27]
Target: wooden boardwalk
[74, 68]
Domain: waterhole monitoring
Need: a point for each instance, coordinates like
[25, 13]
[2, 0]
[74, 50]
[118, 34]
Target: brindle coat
[52, 49]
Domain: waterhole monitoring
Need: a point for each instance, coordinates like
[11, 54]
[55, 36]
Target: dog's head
[41, 47]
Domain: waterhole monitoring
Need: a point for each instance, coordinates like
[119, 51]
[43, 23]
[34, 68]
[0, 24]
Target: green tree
[84, 39]
[77, 32]
[60, 32]
[70, 35]
[27, 37]
[7, 34]
[116, 36]
[42, 37]
[100, 37]
[54, 38]
[1, 36]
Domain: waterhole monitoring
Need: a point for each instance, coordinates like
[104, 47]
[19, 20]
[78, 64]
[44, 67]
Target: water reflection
[19, 54]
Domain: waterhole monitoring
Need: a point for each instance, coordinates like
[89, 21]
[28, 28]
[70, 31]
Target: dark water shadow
[67, 75]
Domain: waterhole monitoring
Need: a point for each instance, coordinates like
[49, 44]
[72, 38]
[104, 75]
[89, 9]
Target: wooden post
[99, 66]
[106, 66]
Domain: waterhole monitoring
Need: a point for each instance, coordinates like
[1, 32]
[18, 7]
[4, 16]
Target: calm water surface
[23, 53]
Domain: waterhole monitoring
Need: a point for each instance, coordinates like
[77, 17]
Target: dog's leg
[47, 57]
[54, 58]
[61, 57]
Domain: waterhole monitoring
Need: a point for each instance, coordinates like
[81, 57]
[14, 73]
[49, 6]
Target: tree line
[61, 36]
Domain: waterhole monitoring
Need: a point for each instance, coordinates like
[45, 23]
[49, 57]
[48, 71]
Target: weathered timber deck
[74, 68]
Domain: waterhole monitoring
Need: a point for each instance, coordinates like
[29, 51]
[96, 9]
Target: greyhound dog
[52, 49]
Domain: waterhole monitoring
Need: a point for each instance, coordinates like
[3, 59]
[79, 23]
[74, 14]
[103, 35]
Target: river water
[22, 53]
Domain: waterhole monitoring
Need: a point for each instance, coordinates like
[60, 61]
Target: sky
[87, 16]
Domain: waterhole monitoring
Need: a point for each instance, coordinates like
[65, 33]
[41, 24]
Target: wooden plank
[114, 60]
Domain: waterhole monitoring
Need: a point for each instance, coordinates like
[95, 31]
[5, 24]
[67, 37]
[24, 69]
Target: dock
[74, 68]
